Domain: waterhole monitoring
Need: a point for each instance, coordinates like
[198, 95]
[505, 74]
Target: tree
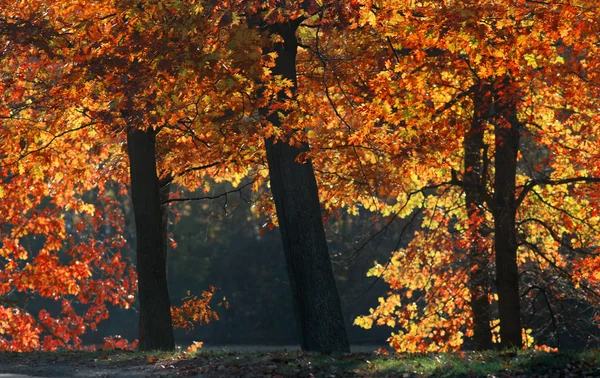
[156, 331]
[60, 239]
[128, 86]
[521, 74]
[474, 186]
[180, 120]
[507, 134]
[316, 301]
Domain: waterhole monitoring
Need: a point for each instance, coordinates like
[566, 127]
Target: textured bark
[165, 190]
[155, 324]
[474, 186]
[507, 272]
[317, 304]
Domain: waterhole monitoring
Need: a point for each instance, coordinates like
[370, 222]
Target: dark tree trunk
[165, 190]
[156, 331]
[507, 273]
[474, 187]
[317, 304]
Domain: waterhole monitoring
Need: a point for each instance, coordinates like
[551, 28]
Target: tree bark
[156, 331]
[507, 133]
[317, 304]
[165, 191]
[474, 187]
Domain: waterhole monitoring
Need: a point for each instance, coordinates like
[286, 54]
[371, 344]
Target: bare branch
[205, 198]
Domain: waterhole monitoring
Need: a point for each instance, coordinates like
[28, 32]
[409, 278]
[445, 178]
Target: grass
[283, 364]
[487, 364]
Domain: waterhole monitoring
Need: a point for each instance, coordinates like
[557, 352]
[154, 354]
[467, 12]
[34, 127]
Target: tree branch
[205, 198]
[169, 179]
[533, 183]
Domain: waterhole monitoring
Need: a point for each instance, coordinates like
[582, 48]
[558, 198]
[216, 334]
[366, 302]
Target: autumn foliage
[555, 221]
[196, 310]
[389, 94]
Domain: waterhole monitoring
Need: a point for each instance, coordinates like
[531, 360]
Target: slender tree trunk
[507, 272]
[317, 304]
[156, 330]
[474, 185]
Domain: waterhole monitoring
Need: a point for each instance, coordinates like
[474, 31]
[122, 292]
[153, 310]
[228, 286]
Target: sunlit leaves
[196, 310]
[435, 54]
[384, 98]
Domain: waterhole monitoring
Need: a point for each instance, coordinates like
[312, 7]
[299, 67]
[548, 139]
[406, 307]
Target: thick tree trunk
[474, 185]
[156, 331]
[507, 272]
[165, 190]
[316, 300]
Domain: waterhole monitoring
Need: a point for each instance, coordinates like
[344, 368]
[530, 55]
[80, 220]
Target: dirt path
[25, 365]
[212, 362]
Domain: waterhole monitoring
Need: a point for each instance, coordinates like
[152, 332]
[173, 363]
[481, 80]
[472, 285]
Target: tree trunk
[474, 187]
[165, 190]
[156, 331]
[317, 304]
[507, 272]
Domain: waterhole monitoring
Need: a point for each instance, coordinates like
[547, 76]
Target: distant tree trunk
[507, 273]
[474, 185]
[316, 300]
[156, 331]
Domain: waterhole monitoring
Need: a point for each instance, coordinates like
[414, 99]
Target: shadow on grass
[300, 364]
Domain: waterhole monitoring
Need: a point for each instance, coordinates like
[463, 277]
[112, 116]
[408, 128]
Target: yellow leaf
[363, 322]
[73, 289]
[88, 208]
[37, 172]
[530, 58]
[368, 18]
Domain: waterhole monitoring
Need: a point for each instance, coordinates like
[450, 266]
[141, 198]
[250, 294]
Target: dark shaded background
[220, 243]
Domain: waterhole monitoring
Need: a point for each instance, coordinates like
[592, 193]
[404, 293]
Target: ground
[283, 363]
